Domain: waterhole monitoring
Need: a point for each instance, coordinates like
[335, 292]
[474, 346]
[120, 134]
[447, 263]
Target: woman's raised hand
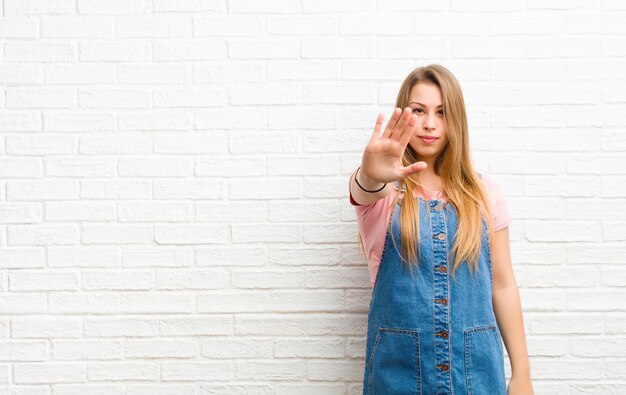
[382, 158]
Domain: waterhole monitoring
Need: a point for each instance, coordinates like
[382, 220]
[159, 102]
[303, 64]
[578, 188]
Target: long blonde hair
[462, 186]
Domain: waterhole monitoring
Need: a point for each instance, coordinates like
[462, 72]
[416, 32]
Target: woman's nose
[429, 122]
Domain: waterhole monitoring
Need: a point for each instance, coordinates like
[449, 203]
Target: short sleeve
[499, 210]
[352, 201]
[373, 220]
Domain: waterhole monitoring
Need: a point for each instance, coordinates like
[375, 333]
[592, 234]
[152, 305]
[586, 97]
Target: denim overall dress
[429, 334]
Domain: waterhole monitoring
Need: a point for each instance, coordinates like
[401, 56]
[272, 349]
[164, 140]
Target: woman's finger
[392, 121]
[414, 168]
[408, 132]
[402, 122]
[376, 134]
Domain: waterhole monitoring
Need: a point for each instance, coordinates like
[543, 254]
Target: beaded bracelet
[360, 186]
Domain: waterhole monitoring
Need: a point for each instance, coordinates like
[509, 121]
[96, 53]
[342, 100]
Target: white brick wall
[174, 215]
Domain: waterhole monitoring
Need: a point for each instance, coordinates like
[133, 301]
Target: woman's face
[425, 102]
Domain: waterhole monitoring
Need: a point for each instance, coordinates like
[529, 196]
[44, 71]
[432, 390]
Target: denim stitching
[496, 333]
[382, 256]
[432, 249]
[468, 334]
[481, 328]
[371, 361]
[486, 230]
[419, 363]
[445, 229]
[468, 367]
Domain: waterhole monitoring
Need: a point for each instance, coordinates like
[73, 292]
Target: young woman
[444, 294]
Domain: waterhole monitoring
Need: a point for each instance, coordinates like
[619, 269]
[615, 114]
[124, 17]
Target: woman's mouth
[427, 139]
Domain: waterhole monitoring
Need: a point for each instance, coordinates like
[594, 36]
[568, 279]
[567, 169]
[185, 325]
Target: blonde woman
[444, 293]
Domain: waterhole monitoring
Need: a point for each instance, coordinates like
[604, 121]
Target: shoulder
[491, 186]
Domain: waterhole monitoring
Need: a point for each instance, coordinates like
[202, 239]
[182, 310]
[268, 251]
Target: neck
[429, 172]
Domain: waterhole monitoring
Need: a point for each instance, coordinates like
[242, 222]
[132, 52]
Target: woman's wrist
[366, 184]
[521, 371]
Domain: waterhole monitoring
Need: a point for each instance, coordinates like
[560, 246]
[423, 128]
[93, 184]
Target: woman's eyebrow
[441, 105]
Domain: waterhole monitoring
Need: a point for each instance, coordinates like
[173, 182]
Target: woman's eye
[419, 109]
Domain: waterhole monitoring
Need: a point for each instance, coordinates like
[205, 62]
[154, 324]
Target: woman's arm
[508, 309]
[364, 198]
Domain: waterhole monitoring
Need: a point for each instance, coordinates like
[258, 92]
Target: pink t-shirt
[374, 218]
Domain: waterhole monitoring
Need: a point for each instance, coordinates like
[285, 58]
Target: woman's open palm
[382, 158]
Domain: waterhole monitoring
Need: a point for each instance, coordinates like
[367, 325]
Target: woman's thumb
[414, 168]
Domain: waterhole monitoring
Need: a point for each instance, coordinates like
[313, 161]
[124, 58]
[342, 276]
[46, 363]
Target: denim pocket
[484, 361]
[394, 363]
